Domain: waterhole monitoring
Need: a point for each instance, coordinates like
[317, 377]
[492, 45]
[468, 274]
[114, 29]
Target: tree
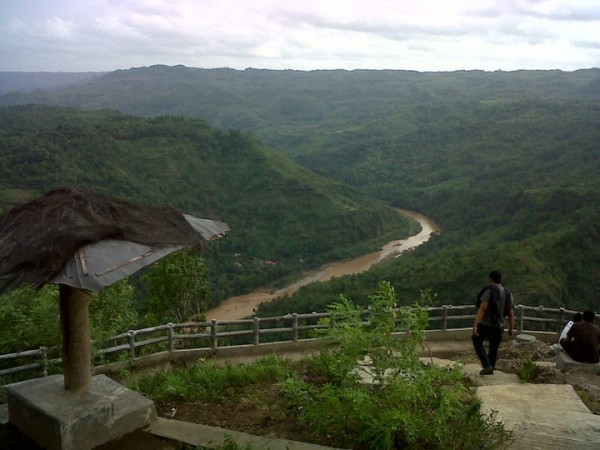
[177, 289]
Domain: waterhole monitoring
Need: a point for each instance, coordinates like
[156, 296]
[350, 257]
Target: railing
[257, 331]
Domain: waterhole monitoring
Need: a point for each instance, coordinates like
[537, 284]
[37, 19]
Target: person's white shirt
[565, 330]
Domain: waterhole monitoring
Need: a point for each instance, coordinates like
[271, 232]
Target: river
[242, 306]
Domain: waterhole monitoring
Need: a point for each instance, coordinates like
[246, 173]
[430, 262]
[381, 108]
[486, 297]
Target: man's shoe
[487, 371]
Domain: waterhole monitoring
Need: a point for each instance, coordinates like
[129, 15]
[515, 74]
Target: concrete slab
[498, 378]
[565, 362]
[542, 416]
[440, 362]
[213, 437]
[57, 419]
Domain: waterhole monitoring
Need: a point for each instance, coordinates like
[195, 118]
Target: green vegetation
[406, 405]
[527, 371]
[177, 289]
[506, 162]
[30, 318]
[284, 219]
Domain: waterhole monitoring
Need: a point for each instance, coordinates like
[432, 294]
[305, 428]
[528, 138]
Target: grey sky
[426, 35]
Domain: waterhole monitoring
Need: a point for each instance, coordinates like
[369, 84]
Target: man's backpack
[493, 301]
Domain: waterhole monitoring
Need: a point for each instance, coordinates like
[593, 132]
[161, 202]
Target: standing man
[583, 339]
[496, 304]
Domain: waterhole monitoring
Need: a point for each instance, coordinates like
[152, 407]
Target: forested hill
[32, 81]
[507, 162]
[278, 211]
[276, 104]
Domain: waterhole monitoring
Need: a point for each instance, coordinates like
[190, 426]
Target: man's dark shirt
[586, 338]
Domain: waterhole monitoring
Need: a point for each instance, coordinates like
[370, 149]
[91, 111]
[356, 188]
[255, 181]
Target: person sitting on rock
[576, 319]
[583, 339]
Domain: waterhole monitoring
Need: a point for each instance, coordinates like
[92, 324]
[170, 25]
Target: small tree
[177, 288]
[384, 342]
[401, 403]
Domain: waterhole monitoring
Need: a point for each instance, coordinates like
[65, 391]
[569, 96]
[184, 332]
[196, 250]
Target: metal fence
[257, 331]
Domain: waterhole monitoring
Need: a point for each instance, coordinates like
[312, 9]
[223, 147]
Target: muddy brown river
[242, 306]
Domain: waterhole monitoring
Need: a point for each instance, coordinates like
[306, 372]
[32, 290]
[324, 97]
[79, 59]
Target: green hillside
[506, 162]
[280, 105]
[278, 211]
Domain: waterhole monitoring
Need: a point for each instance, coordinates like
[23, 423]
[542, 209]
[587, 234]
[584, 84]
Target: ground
[513, 356]
[254, 412]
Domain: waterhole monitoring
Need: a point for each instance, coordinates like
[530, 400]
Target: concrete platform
[57, 419]
[498, 378]
[565, 362]
[542, 416]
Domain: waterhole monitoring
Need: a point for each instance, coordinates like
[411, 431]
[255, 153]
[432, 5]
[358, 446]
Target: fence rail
[258, 331]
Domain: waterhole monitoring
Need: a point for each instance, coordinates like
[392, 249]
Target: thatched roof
[38, 237]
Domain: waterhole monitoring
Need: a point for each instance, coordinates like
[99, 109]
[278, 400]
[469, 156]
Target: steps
[541, 416]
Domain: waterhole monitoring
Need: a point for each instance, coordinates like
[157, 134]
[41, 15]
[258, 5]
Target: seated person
[583, 339]
[576, 319]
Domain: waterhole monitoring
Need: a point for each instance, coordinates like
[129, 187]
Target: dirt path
[242, 306]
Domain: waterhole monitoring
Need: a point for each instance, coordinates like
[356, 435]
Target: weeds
[527, 371]
[207, 382]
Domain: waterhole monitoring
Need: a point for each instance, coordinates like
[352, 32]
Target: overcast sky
[423, 35]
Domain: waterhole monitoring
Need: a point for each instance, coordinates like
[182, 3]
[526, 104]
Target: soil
[255, 412]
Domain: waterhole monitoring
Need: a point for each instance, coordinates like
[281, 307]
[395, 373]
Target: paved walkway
[541, 416]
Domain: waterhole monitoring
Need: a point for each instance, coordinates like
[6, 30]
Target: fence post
[561, 319]
[44, 360]
[131, 343]
[521, 318]
[171, 337]
[444, 317]
[213, 334]
[295, 327]
[256, 328]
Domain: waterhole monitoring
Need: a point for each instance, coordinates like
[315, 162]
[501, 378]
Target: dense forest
[508, 163]
[278, 211]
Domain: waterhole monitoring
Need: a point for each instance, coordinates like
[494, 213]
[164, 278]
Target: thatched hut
[41, 238]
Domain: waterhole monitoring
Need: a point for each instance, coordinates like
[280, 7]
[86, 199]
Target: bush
[405, 404]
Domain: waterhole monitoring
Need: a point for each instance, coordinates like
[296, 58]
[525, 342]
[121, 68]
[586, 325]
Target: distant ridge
[25, 82]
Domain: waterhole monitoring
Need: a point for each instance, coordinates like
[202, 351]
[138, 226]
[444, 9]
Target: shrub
[527, 371]
[405, 404]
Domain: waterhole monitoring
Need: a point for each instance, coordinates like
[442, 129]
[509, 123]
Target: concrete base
[57, 419]
[565, 362]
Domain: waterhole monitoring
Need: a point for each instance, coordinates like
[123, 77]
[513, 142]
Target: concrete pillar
[75, 328]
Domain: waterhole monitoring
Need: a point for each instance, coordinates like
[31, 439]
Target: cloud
[312, 34]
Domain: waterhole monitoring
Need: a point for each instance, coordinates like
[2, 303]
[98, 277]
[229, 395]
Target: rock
[554, 350]
[565, 362]
[525, 339]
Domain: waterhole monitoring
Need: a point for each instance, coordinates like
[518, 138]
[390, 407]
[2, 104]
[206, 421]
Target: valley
[241, 306]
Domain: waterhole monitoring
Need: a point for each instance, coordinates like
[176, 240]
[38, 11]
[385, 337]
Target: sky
[421, 35]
